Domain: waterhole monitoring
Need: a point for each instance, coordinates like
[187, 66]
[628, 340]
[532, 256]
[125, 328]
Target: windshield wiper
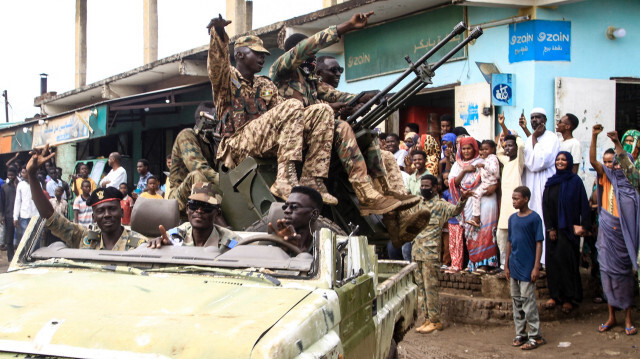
[253, 275]
[66, 263]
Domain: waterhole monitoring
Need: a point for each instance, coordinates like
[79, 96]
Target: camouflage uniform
[426, 253]
[76, 236]
[218, 235]
[191, 162]
[293, 83]
[256, 121]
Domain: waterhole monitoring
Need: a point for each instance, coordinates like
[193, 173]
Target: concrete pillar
[81, 43]
[150, 14]
[240, 12]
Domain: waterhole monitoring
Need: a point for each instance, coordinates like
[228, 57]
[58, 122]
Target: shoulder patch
[236, 83]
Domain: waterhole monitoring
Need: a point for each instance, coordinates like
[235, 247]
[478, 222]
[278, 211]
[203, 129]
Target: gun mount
[247, 197]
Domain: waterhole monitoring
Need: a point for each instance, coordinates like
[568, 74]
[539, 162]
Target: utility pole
[6, 105]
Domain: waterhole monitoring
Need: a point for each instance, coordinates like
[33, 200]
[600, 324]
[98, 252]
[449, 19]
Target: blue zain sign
[540, 40]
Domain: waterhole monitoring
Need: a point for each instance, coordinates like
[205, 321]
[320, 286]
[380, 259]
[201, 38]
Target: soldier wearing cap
[294, 74]
[256, 121]
[107, 213]
[200, 231]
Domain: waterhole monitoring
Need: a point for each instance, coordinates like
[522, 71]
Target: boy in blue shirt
[522, 265]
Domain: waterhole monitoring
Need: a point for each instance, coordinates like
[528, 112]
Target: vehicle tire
[393, 350]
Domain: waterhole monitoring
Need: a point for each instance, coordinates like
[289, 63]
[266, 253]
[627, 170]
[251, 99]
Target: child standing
[522, 265]
[152, 188]
[455, 233]
[489, 176]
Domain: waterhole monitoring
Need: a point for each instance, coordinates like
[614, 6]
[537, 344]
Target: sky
[38, 36]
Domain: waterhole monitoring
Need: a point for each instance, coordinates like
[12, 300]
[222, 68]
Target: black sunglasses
[294, 206]
[205, 207]
[338, 69]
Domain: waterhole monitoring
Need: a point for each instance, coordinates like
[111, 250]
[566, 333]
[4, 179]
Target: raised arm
[219, 63]
[290, 60]
[597, 129]
[38, 157]
[630, 171]
[522, 121]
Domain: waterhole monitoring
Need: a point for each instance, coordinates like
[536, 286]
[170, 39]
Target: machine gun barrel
[457, 30]
[378, 114]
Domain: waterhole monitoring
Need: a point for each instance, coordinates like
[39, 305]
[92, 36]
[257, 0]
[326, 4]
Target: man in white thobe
[540, 151]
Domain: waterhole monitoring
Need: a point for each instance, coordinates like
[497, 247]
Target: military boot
[390, 221]
[371, 201]
[286, 179]
[411, 222]
[317, 183]
[382, 186]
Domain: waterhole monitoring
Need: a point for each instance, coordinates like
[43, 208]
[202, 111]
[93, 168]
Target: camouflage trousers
[183, 191]
[427, 282]
[394, 176]
[281, 131]
[355, 164]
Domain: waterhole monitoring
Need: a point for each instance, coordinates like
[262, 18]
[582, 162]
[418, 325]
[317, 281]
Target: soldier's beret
[252, 42]
[102, 195]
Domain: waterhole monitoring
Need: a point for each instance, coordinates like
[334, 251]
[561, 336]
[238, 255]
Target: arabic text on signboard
[540, 40]
[381, 49]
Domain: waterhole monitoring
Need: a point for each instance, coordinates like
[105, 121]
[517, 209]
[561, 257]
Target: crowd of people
[17, 205]
[516, 208]
[509, 206]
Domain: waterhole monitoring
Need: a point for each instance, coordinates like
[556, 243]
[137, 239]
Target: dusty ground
[472, 341]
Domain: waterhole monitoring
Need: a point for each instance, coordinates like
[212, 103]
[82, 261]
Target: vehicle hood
[84, 313]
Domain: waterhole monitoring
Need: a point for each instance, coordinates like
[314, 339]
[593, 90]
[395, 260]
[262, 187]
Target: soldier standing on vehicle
[294, 73]
[106, 214]
[426, 250]
[257, 122]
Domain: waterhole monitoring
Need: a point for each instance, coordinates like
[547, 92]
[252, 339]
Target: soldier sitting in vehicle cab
[107, 213]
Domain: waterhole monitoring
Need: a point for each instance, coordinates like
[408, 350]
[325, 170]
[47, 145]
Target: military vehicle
[246, 187]
[252, 301]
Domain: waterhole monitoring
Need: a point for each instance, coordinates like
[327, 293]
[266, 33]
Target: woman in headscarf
[631, 145]
[448, 149]
[566, 212]
[432, 149]
[483, 252]
[618, 234]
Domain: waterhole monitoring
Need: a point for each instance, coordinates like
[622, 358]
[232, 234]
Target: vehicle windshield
[261, 256]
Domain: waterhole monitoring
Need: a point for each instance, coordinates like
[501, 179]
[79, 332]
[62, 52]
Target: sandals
[605, 328]
[533, 343]
[567, 308]
[631, 330]
[479, 271]
[519, 340]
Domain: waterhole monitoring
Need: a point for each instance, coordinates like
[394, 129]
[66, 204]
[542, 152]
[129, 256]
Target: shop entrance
[425, 110]
[627, 105]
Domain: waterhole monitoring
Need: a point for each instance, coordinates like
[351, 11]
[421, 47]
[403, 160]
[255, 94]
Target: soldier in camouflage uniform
[192, 158]
[293, 72]
[200, 230]
[256, 121]
[106, 213]
[426, 250]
